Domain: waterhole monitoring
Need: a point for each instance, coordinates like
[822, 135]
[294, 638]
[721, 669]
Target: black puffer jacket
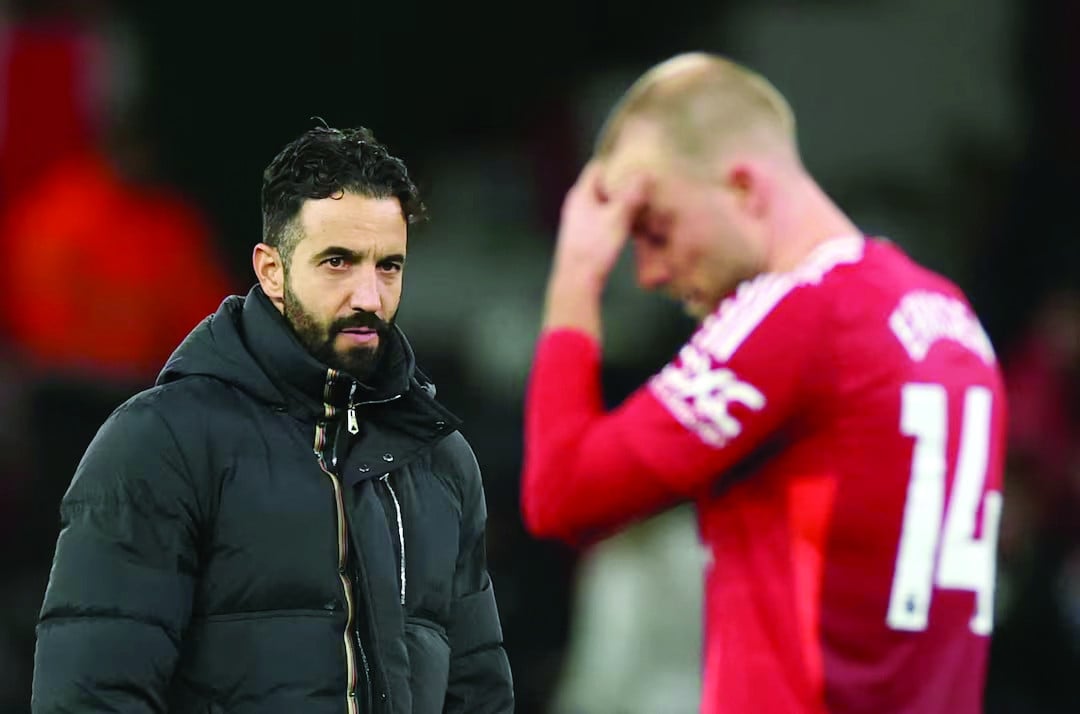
[229, 545]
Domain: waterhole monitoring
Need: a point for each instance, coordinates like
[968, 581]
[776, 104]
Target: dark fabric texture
[203, 567]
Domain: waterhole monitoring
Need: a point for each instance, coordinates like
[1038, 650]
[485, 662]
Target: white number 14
[963, 562]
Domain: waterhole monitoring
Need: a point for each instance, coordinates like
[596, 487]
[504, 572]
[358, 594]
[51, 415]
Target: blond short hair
[703, 103]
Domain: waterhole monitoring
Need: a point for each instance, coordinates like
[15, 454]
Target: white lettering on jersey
[700, 396]
[922, 318]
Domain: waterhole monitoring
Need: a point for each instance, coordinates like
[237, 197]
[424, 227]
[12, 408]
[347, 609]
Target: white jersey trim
[735, 319]
[696, 389]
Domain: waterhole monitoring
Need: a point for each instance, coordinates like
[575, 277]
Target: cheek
[695, 250]
[299, 282]
[315, 296]
[706, 263]
[390, 293]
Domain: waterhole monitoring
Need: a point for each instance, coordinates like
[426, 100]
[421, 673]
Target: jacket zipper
[401, 532]
[346, 585]
[354, 426]
[350, 411]
[352, 631]
[351, 705]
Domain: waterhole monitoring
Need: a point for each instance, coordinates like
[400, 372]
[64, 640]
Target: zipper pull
[354, 426]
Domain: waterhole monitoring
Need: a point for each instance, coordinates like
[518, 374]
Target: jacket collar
[312, 390]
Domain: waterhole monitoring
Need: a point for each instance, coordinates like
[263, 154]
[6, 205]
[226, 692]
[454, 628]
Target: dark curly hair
[325, 162]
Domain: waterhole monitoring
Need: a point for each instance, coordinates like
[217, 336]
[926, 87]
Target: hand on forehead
[610, 181]
[638, 154]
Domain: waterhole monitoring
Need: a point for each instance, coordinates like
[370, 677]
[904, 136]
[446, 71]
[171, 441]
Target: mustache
[367, 320]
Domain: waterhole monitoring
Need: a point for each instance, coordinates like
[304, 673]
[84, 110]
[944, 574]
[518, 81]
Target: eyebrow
[352, 255]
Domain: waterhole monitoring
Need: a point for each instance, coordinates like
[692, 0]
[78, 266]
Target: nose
[365, 291]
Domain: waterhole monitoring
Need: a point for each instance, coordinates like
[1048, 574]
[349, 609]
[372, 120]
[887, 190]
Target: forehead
[352, 221]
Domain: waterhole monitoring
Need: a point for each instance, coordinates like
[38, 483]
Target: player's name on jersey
[923, 318]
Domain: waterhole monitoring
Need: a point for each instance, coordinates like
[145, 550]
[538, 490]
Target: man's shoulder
[894, 308]
[454, 454]
[871, 288]
[454, 463]
[191, 388]
[778, 303]
[175, 404]
[890, 267]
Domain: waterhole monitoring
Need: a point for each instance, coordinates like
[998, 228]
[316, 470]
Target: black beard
[359, 361]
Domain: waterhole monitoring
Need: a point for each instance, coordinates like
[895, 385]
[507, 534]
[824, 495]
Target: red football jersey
[841, 430]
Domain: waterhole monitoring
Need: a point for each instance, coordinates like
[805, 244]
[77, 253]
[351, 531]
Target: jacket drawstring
[401, 531]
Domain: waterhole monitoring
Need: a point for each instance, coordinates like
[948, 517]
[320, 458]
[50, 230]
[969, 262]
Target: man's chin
[360, 362]
[697, 310]
[694, 305]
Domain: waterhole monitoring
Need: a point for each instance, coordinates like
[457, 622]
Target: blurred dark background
[132, 140]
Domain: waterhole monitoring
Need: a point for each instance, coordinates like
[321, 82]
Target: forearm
[563, 401]
[580, 475]
[595, 223]
[581, 478]
[573, 300]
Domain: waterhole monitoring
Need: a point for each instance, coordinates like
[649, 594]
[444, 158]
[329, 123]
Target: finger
[588, 182]
[581, 187]
[632, 195]
[590, 173]
[635, 187]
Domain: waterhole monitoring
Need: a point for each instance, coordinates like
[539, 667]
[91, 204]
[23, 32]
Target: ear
[270, 270]
[747, 184]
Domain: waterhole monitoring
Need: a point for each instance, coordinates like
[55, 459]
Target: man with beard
[287, 521]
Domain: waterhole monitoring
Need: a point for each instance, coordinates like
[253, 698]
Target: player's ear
[270, 271]
[749, 188]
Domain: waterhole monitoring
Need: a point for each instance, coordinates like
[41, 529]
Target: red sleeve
[733, 385]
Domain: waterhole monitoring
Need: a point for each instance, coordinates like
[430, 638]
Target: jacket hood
[248, 343]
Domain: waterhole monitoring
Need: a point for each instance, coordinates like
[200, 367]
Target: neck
[809, 219]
